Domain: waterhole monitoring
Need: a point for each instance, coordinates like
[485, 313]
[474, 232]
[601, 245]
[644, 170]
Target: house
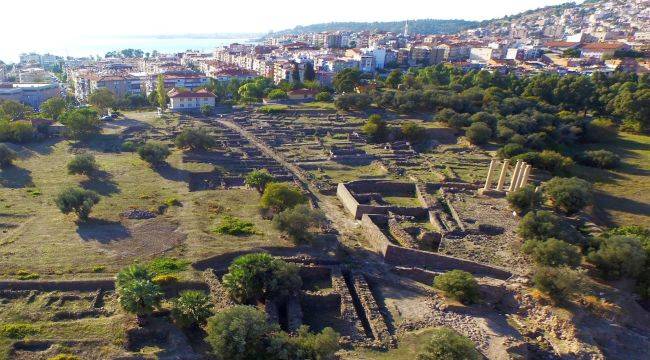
[302, 94]
[189, 101]
[601, 50]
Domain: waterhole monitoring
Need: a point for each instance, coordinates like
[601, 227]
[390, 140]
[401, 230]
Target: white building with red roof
[189, 101]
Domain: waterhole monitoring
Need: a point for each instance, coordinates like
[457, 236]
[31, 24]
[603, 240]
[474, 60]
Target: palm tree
[140, 297]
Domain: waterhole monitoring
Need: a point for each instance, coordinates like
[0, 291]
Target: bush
[78, 200]
[560, 283]
[447, 344]
[413, 132]
[277, 94]
[129, 146]
[191, 309]
[81, 124]
[548, 160]
[553, 252]
[153, 153]
[16, 131]
[83, 164]
[619, 256]
[194, 140]
[240, 333]
[599, 158]
[163, 280]
[375, 128]
[478, 133]
[258, 179]
[601, 130]
[7, 156]
[17, 331]
[524, 199]
[459, 285]
[542, 225]
[260, 276]
[353, 101]
[64, 357]
[568, 195]
[509, 151]
[297, 222]
[321, 346]
[233, 226]
[323, 96]
[206, 110]
[278, 197]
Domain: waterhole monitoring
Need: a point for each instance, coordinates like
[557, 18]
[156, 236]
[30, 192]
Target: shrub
[559, 283]
[323, 96]
[206, 110]
[553, 252]
[447, 344]
[17, 331]
[375, 128]
[233, 226]
[78, 200]
[26, 275]
[601, 130]
[619, 256]
[568, 195]
[278, 197]
[478, 133]
[510, 150]
[297, 221]
[192, 308]
[277, 94]
[129, 146]
[240, 333]
[459, 285]
[524, 199]
[353, 101]
[163, 280]
[16, 131]
[254, 277]
[413, 132]
[166, 265]
[542, 225]
[548, 160]
[153, 153]
[7, 156]
[317, 346]
[599, 158]
[83, 164]
[194, 140]
[172, 201]
[258, 179]
[81, 124]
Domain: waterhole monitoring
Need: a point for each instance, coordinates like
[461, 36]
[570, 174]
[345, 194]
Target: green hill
[424, 26]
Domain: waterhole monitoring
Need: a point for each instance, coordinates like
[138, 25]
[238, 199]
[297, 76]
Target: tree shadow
[606, 203]
[40, 147]
[102, 231]
[14, 177]
[102, 183]
[107, 143]
[168, 172]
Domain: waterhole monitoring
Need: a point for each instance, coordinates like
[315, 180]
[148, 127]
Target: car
[106, 118]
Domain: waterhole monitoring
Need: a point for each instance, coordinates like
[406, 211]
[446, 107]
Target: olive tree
[77, 200]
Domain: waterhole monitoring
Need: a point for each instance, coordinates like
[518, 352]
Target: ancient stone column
[523, 179]
[515, 176]
[502, 176]
[488, 179]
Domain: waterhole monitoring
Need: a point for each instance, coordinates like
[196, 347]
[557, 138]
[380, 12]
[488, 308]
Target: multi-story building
[189, 101]
[29, 94]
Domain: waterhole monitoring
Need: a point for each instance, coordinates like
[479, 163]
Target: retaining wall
[357, 209]
[401, 256]
[371, 309]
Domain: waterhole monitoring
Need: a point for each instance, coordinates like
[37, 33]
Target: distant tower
[406, 29]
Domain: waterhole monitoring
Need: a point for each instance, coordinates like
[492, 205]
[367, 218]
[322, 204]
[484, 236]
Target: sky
[45, 23]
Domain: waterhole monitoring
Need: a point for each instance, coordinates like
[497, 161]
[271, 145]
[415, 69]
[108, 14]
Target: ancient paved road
[341, 221]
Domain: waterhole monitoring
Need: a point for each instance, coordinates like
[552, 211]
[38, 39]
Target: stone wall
[371, 310]
[420, 275]
[401, 256]
[294, 313]
[353, 327]
[403, 238]
[357, 209]
[58, 285]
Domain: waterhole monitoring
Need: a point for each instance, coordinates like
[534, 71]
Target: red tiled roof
[175, 93]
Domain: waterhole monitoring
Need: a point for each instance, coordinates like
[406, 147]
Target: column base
[491, 192]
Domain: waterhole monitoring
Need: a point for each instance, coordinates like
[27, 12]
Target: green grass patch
[272, 109]
[231, 225]
[17, 331]
[166, 266]
[402, 201]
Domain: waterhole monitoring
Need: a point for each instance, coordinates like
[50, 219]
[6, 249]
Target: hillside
[424, 26]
